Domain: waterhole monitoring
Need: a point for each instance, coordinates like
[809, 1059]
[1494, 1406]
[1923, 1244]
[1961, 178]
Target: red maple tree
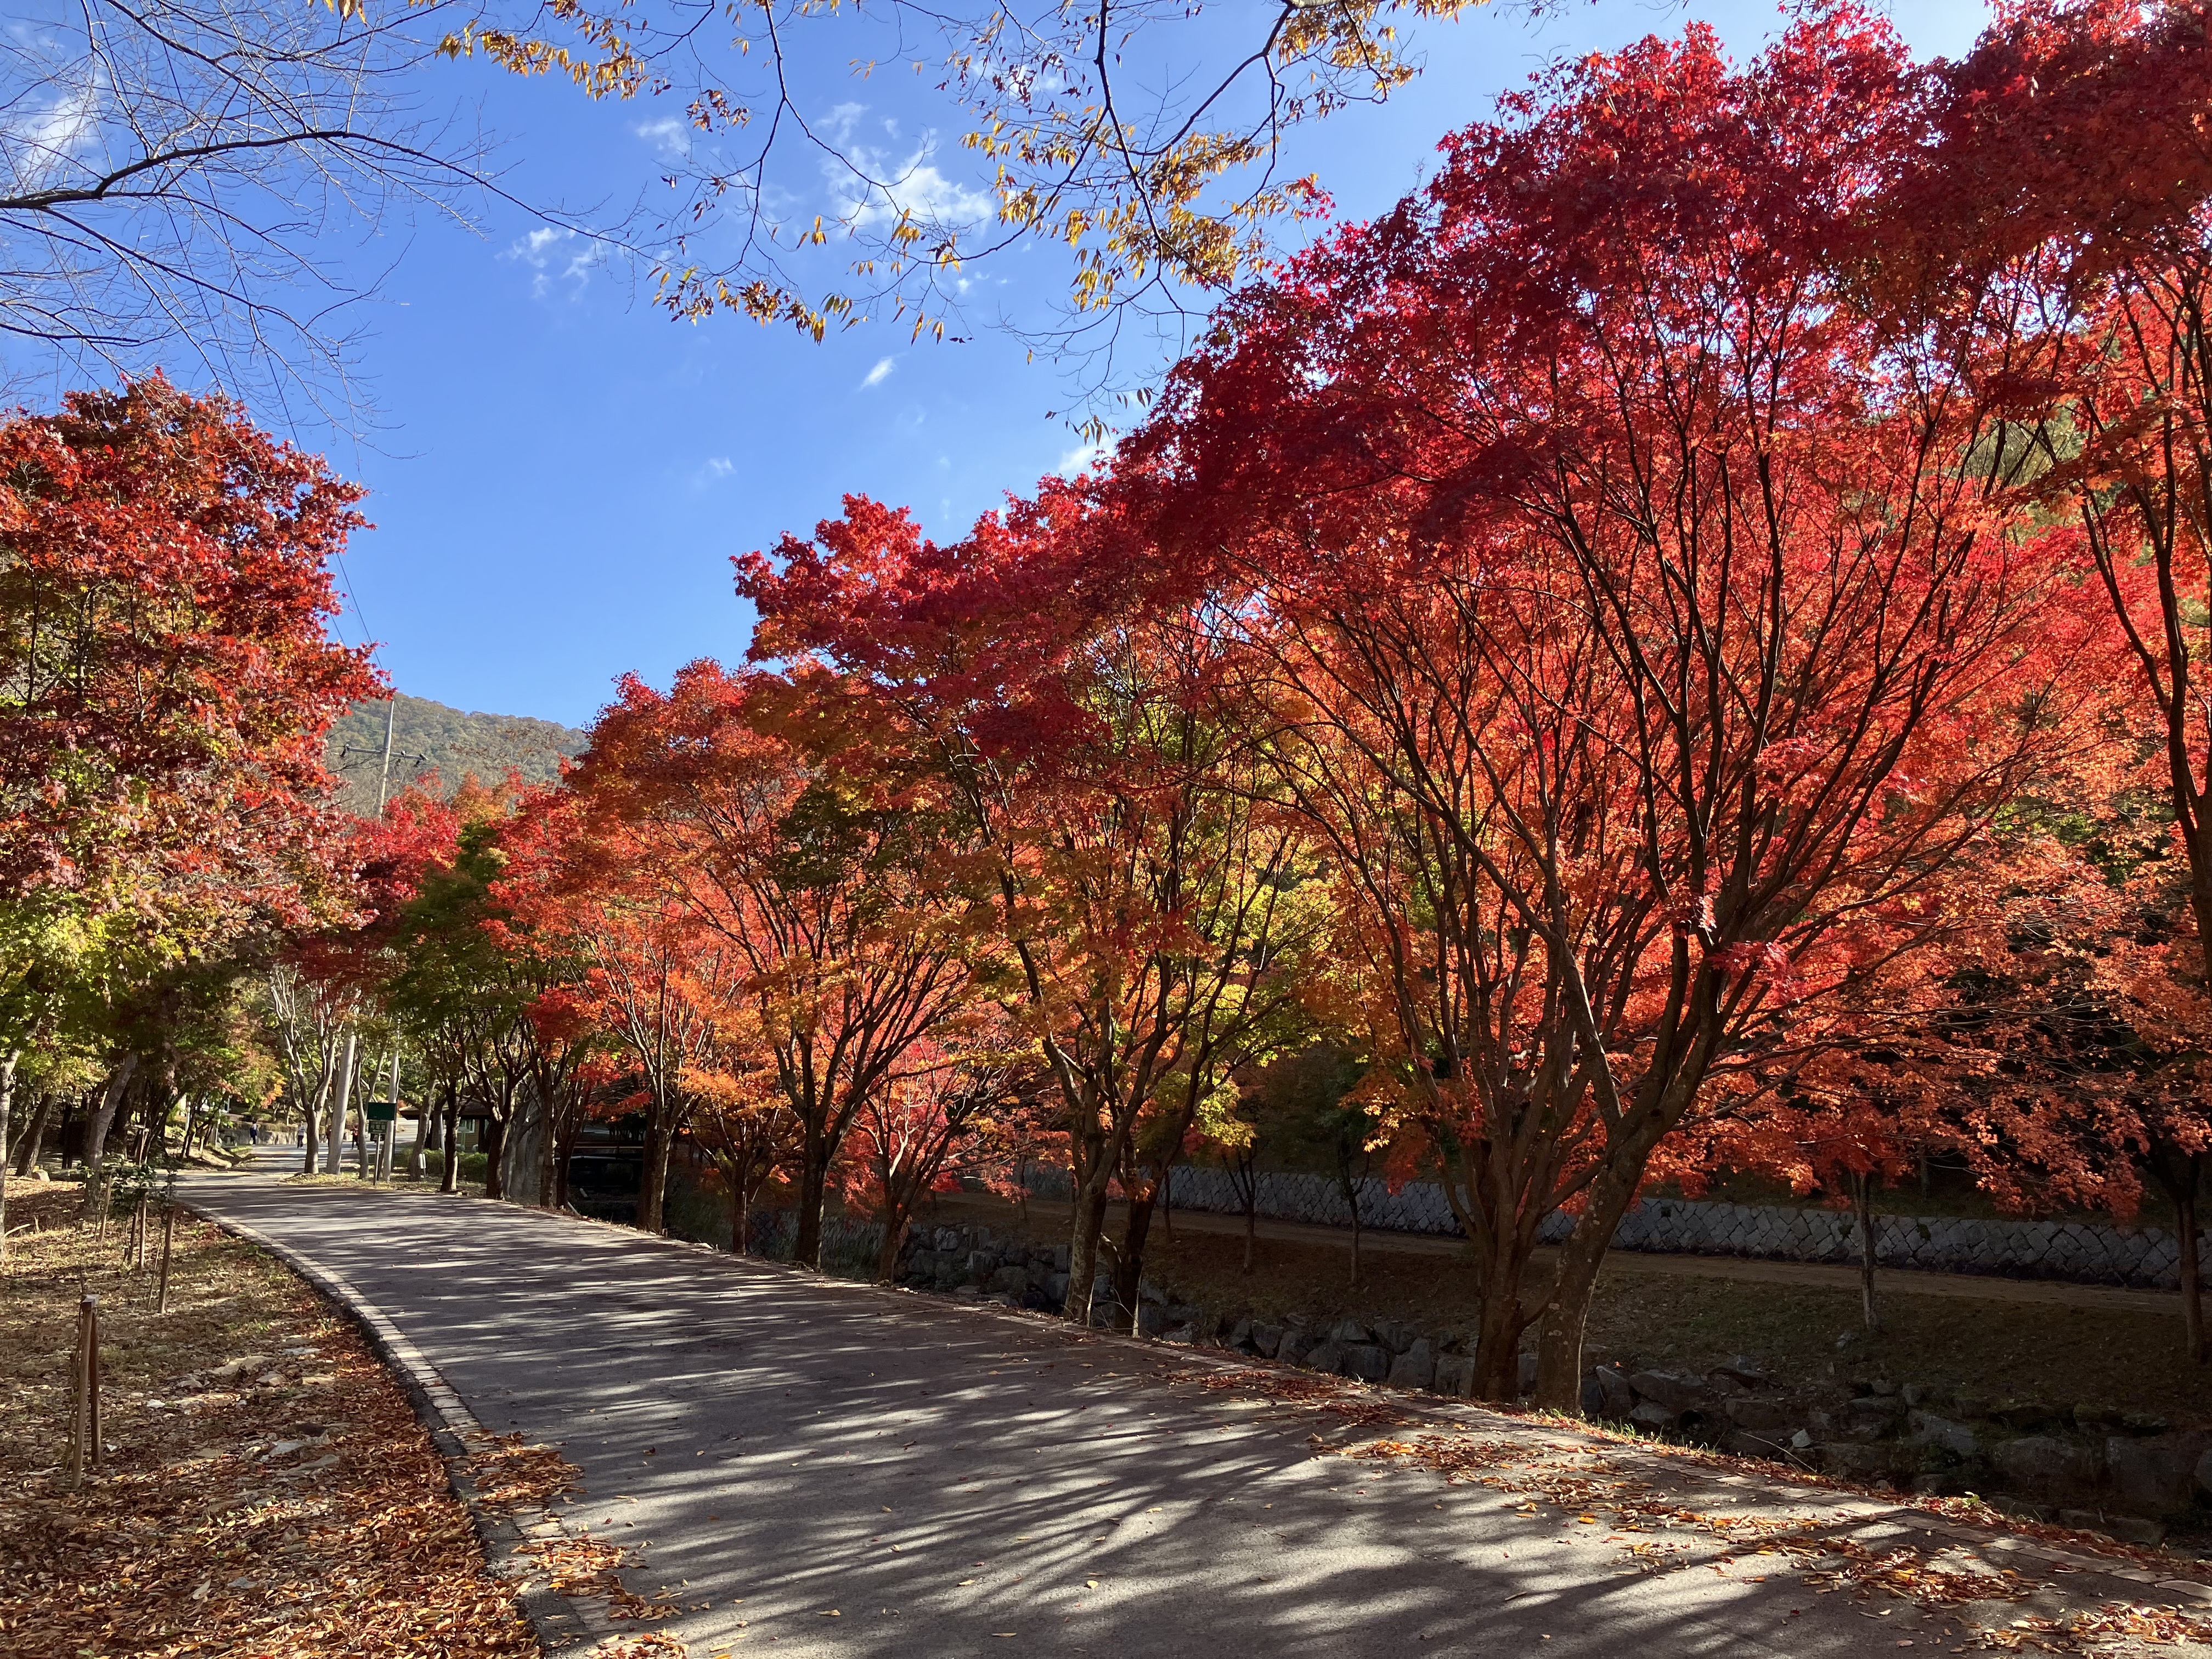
[1656, 672]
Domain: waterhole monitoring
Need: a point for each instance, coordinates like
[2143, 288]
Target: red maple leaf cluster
[1671, 651]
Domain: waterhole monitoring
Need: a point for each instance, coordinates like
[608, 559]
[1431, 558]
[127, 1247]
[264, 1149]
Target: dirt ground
[266, 1489]
[1999, 1340]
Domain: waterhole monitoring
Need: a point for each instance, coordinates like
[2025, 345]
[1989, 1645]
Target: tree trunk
[1862, 1212]
[1500, 1324]
[103, 1115]
[495, 1150]
[34, 1131]
[449, 1176]
[813, 1191]
[896, 1219]
[564, 1153]
[1566, 1311]
[337, 1108]
[549, 1164]
[652, 1183]
[311, 1134]
[96, 1140]
[2177, 1174]
[1090, 1207]
[521, 1149]
[740, 1219]
[1129, 1264]
[1351, 1189]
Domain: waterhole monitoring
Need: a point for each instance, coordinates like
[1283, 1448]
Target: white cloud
[880, 372]
[719, 466]
[913, 187]
[41, 142]
[930, 196]
[838, 124]
[557, 254]
[1077, 462]
[669, 136]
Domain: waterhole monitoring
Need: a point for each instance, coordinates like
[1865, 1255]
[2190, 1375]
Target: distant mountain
[455, 744]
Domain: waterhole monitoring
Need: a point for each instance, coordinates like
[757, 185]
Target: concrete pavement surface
[810, 1466]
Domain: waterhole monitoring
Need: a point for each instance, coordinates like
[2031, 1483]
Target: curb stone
[561, 1625]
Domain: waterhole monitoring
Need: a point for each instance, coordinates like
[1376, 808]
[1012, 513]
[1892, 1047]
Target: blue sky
[561, 474]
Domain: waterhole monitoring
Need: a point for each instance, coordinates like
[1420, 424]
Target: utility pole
[389, 1130]
[383, 794]
[386, 752]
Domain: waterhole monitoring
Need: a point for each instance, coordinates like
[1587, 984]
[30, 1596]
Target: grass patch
[289, 1507]
[2106, 1359]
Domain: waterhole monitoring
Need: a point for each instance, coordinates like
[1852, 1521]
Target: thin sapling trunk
[1862, 1185]
[449, 1172]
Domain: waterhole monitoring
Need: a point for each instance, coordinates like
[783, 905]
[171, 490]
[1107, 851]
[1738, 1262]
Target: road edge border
[559, 1623]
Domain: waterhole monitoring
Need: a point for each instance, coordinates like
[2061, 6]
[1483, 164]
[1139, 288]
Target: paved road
[824, 1468]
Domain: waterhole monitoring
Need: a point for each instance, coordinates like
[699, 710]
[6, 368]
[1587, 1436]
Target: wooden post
[90, 1315]
[84, 1391]
[168, 1241]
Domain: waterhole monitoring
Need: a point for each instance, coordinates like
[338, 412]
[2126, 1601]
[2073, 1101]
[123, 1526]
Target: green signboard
[381, 1111]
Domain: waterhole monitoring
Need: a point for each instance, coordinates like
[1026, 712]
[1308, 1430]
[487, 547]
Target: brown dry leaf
[510, 1475]
[1303, 1391]
[1585, 1481]
[200, 1536]
[651, 1645]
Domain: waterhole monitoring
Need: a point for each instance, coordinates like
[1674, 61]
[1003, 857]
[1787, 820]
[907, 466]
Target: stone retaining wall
[2145, 1258]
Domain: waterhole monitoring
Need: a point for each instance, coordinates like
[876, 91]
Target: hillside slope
[455, 743]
